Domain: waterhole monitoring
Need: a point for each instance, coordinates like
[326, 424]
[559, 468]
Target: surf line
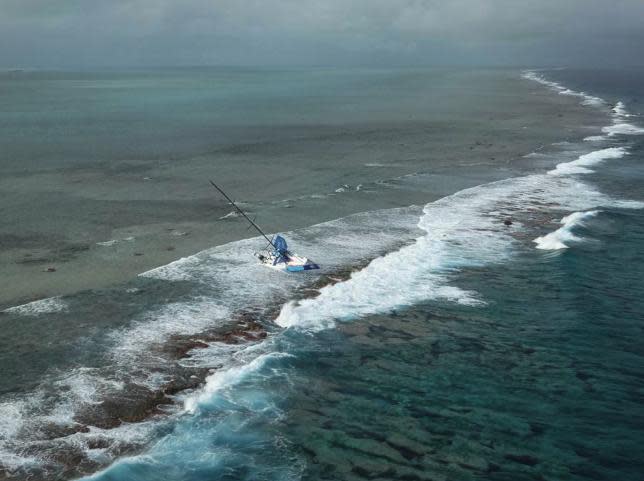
[279, 257]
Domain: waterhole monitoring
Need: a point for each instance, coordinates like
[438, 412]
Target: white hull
[295, 263]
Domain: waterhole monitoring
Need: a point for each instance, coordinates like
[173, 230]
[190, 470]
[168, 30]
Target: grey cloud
[171, 32]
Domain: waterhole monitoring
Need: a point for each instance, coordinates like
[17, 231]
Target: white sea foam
[176, 318]
[620, 125]
[49, 305]
[564, 236]
[22, 418]
[592, 101]
[581, 164]
[595, 138]
[619, 110]
[622, 128]
[11, 423]
[10, 420]
[227, 378]
[587, 99]
[462, 230]
[62, 396]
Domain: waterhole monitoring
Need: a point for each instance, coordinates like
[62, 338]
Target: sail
[280, 244]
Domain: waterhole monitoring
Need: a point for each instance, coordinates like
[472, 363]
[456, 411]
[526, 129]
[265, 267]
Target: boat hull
[294, 264]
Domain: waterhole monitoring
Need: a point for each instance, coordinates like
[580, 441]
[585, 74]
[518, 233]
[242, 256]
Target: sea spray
[579, 166]
[228, 378]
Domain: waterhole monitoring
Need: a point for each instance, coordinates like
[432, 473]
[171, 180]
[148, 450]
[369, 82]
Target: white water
[463, 230]
[49, 305]
[588, 100]
[622, 128]
[226, 379]
[581, 164]
[563, 237]
[619, 110]
[182, 318]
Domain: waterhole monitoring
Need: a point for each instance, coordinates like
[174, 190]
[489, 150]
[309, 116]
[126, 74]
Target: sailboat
[276, 255]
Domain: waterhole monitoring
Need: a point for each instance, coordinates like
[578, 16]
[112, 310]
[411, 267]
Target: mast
[242, 213]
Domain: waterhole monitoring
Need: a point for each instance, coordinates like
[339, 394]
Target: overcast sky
[72, 33]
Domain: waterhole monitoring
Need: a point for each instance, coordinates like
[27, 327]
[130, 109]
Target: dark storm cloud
[189, 32]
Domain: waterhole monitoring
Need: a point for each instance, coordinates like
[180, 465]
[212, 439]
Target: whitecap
[49, 305]
[581, 164]
[564, 236]
[622, 128]
[595, 138]
[588, 100]
[619, 110]
[227, 378]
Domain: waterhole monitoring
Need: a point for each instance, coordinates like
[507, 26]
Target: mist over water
[477, 315]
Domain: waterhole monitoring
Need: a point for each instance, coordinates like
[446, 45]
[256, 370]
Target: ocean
[478, 313]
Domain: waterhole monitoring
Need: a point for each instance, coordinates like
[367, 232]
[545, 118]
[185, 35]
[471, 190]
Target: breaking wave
[588, 100]
[464, 230]
[564, 236]
[42, 306]
[622, 128]
[619, 113]
[581, 164]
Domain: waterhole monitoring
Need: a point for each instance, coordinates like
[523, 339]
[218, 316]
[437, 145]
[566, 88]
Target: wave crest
[564, 236]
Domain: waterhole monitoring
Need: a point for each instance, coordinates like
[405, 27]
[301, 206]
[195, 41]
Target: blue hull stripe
[306, 267]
